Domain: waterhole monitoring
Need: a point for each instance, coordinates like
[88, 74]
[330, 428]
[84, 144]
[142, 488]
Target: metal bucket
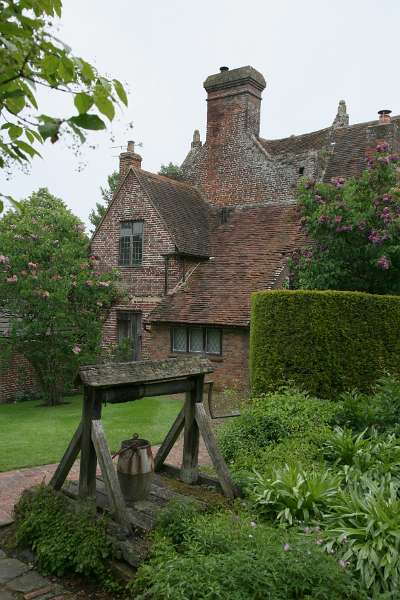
[135, 468]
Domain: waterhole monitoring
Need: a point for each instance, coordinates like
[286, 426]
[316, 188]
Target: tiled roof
[298, 143]
[184, 211]
[248, 253]
[349, 150]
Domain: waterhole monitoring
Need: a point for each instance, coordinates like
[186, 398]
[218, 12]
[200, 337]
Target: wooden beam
[88, 464]
[128, 393]
[111, 482]
[229, 487]
[169, 440]
[65, 464]
[190, 459]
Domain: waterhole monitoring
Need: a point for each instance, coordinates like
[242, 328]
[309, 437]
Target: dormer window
[131, 243]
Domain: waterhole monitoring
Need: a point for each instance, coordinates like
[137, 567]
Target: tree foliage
[31, 56]
[172, 171]
[354, 226]
[96, 214]
[56, 296]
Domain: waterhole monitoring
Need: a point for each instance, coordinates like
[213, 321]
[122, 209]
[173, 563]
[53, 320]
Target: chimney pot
[384, 115]
[222, 69]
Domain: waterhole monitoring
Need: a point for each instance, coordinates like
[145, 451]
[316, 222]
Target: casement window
[131, 243]
[129, 327]
[197, 340]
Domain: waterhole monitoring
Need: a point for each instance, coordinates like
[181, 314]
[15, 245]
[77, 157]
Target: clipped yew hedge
[326, 342]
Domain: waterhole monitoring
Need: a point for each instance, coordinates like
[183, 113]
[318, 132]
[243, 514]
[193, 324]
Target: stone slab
[28, 582]
[10, 568]
[6, 595]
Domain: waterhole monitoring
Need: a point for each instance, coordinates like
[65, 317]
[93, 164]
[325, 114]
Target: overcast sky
[311, 52]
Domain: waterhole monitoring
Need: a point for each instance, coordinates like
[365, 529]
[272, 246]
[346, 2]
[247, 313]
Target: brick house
[17, 379]
[191, 252]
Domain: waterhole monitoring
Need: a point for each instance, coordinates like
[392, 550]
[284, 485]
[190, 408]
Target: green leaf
[49, 129]
[15, 105]
[88, 122]
[120, 91]
[13, 94]
[104, 105]
[15, 131]
[1, 206]
[83, 102]
[87, 71]
[26, 148]
[78, 132]
[50, 64]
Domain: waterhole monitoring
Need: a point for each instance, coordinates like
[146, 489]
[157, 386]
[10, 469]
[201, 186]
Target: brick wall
[144, 285]
[230, 370]
[17, 381]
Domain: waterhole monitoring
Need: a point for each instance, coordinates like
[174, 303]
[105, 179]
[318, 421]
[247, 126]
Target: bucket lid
[135, 443]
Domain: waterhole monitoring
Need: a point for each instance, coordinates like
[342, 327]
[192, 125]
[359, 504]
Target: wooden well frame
[125, 382]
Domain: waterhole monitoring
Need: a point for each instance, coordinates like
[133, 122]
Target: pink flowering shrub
[354, 230]
[58, 297]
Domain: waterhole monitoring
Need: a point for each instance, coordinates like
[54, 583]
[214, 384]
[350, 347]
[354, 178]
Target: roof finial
[196, 143]
[342, 118]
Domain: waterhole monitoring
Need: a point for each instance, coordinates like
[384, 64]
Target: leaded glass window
[179, 339]
[131, 243]
[213, 341]
[196, 342]
[206, 340]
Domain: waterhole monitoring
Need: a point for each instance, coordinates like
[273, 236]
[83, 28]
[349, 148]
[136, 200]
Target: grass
[32, 435]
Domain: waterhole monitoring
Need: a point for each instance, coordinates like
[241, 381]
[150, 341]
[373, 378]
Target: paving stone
[6, 595]
[10, 568]
[28, 582]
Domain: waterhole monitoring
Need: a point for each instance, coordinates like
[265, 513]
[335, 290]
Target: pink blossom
[318, 541]
[382, 147]
[89, 283]
[286, 547]
[338, 182]
[12, 279]
[76, 349]
[338, 219]
[4, 260]
[32, 265]
[384, 263]
[104, 283]
[323, 219]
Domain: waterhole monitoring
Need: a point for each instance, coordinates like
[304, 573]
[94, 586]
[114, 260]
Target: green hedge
[325, 342]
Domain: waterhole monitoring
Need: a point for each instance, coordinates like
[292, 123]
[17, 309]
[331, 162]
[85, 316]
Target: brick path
[13, 483]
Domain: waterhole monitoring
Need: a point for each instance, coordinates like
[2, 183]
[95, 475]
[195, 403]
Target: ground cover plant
[32, 435]
[227, 555]
[347, 495]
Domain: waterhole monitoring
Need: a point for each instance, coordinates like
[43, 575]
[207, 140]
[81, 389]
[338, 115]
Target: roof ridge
[361, 123]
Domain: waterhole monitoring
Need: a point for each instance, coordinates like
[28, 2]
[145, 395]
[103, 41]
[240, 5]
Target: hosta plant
[364, 528]
[292, 495]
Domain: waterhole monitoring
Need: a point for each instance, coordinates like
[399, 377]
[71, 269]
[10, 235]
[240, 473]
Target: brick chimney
[233, 104]
[129, 159]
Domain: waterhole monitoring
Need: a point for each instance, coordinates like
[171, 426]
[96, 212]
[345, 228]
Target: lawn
[32, 435]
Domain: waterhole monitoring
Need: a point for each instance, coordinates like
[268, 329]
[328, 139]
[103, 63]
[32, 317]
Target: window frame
[131, 263]
[187, 330]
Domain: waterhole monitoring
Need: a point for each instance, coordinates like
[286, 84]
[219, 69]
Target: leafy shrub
[272, 418]
[292, 495]
[174, 520]
[64, 540]
[227, 557]
[364, 526]
[381, 409]
[324, 341]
